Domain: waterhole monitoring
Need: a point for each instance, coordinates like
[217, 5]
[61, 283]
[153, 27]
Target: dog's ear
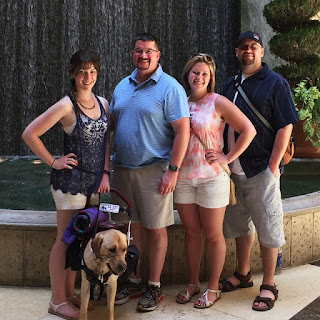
[96, 245]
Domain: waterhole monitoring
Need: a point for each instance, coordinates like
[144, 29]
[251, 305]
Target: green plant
[297, 41]
[298, 37]
[306, 96]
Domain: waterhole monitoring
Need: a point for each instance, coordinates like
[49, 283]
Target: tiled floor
[299, 290]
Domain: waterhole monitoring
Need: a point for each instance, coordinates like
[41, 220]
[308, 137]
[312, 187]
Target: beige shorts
[259, 209]
[140, 186]
[68, 201]
[207, 193]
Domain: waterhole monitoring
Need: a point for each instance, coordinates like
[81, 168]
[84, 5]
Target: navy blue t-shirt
[270, 93]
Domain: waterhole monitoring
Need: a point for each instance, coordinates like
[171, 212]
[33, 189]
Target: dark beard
[247, 62]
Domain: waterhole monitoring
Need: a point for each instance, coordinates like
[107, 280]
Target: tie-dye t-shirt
[209, 127]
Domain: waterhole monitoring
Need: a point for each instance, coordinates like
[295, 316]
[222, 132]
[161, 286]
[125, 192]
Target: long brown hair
[81, 60]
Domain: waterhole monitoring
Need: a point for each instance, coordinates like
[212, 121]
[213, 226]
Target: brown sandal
[184, 296]
[268, 301]
[76, 301]
[225, 285]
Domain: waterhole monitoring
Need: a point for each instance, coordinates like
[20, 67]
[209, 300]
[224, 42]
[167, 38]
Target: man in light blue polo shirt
[150, 112]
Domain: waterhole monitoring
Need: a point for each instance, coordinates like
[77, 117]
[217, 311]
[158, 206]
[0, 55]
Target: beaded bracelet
[106, 172]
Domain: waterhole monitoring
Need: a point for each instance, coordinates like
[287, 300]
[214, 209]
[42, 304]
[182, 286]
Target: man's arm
[181, 128]
[279, 147]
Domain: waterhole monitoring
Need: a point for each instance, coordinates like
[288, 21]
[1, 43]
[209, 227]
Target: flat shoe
[55, 311]
[184, 296]
[268, 301]
[226, 286]
[207, 303]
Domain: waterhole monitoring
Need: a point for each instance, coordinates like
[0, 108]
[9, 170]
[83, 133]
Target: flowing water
[39, 37]
[24, 182]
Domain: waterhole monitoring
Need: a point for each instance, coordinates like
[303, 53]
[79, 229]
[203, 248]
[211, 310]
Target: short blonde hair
[199, 57]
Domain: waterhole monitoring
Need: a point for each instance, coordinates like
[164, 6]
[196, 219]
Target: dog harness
[83, 226]
[95, 279]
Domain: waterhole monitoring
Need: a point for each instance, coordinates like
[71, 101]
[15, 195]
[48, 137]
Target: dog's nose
[121, 267]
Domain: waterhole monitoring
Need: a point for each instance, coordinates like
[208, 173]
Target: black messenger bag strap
[253, 108]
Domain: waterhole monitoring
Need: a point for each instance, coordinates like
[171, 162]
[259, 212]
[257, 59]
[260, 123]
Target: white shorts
[208, 193]
[68, 201]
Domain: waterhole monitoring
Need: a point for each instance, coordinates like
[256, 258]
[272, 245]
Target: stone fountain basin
[27, 237]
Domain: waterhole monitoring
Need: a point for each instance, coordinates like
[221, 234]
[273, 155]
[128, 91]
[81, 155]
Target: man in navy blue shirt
[256, 172]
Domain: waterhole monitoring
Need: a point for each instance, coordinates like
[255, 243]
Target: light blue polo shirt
[142, 114]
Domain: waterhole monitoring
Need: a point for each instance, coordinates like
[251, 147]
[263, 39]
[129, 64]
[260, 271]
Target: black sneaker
[128, 290]
[150, 298]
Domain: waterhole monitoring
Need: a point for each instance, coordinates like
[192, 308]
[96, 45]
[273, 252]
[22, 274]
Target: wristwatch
[173, 168]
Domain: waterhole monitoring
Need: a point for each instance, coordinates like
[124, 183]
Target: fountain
[24, 182]
[39, 39]
[41, 36]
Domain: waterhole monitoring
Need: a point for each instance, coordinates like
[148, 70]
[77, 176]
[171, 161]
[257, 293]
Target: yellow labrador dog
[104, 257]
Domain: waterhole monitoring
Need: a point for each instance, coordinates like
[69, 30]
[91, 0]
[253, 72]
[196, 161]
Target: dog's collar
[102, 277]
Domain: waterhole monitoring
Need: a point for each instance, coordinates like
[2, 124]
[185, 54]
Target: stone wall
[27, 237]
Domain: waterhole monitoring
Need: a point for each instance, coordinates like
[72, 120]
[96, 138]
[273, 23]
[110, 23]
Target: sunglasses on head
[203, 56]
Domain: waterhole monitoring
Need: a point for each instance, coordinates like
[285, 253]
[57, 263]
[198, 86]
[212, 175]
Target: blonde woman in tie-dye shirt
[202, 190]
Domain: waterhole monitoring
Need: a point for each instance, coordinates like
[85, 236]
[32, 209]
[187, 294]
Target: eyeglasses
[252, 47]
[203, 56]
[147, 51]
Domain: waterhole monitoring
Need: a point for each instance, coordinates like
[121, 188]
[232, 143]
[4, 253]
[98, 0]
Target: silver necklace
[84, 107]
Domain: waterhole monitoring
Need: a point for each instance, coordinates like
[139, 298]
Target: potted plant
[297, 42]
[306, 96]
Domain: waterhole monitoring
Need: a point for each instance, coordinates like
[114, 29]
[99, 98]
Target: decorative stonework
[27, 238]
